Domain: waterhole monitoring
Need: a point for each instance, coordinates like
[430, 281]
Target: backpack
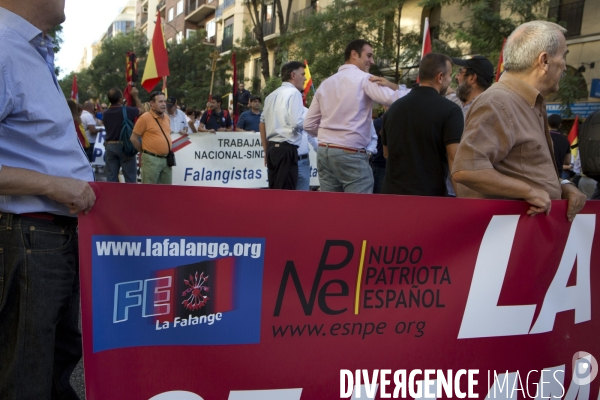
[225, 115]
[125, 137]
[589, 146]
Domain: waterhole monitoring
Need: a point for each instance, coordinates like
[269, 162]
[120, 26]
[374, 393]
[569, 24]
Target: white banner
[224, 159]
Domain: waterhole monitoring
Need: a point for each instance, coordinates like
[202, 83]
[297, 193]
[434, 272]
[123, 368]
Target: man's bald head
[528, 41]
[88, 106]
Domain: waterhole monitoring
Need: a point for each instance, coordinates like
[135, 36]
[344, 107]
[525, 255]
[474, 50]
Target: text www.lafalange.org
[181, 247]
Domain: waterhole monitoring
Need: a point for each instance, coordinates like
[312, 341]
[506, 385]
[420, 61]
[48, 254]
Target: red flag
[426, 48]
[157, 63]
[131, 75]
[235, 84]
[75, 90]
[500, 67]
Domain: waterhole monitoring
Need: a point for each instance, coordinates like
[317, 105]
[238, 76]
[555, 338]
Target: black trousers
[282, 165]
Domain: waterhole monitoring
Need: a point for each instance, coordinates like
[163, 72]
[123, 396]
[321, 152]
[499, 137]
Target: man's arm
[136, 140]
[576, 200]
[263, 139]
[567, 161]
[491, 182]
[383, 91]
[451, 152]
[74, 193]
[136, 99]
[203, 121]
[386, 153]
[297, 111]
[312, 119]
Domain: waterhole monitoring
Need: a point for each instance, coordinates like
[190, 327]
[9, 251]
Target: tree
[108, 67]
[85, 86]
[257, 10]
[56, 34]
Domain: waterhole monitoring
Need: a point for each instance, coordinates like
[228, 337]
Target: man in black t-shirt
[562, 147]
[113, 122]
[215, 119]
[243, 98]
[421, 132]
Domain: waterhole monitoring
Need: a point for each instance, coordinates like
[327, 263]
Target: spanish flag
[308, 83]
[574, 137]
[157, 64]
[500, 68]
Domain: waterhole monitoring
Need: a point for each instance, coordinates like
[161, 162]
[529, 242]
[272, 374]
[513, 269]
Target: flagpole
[214, 56]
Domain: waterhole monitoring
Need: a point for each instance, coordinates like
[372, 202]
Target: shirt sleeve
[382, 94]
[228, 122]
[453, 127]
[242, 121]
[372, 146]
[6, 100]
[313, 117]
[140, 127]
[88, 119]
[487, 140]
[297, 111]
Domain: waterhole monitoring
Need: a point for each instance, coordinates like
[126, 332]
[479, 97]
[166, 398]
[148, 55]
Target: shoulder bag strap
[163, 132]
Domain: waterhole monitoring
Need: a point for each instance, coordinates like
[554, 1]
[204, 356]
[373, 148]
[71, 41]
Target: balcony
[571, 14]
[210, 40]
[161, 4]
[144, 19]
[223, 6]
[299, 16]
[198, 10]
[226, 44]
[268, 27]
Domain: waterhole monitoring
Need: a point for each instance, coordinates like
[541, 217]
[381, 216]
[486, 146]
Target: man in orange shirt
[155, 130]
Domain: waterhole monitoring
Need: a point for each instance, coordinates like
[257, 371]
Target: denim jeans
[378, 177]
[344, 171]
[303, 174]
[155, 170]
[40, 341]
[115, 159]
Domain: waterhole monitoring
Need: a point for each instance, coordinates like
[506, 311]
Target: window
[211, 29]
[170, 15]
[179, 37]
[189, 33]
[228, 30]
[568, 13]
[434, 15]
[179, 7]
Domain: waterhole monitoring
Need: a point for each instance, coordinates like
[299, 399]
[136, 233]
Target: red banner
[256, 294]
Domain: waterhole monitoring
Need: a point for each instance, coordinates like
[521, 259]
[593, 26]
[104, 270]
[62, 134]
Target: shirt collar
[288, 84]
[155, 115]
[523, 89]
[19, 24]
[349, 66]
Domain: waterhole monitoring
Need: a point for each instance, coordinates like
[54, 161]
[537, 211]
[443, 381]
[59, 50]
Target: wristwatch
[566, 182]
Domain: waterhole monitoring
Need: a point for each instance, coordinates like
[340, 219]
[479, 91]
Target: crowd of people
[493, 142]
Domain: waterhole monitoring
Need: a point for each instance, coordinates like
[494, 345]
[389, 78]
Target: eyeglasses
[104, 108]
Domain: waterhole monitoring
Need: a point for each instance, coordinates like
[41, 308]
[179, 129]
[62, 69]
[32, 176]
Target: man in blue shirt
[44, 176]
[215, 119]
[249, 120]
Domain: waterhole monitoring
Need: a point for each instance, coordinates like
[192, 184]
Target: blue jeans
[115, 159]
[344, 171]
[40, 341]
[303, 174]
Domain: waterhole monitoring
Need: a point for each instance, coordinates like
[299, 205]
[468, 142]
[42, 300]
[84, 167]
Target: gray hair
[528, 41]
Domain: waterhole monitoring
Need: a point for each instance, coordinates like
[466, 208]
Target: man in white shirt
[178, 119]
[281, 127]
[89, 124]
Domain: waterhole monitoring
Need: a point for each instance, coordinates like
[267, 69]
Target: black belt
[152, 154]
[303, 157]
[60, 220]
[282, 144]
